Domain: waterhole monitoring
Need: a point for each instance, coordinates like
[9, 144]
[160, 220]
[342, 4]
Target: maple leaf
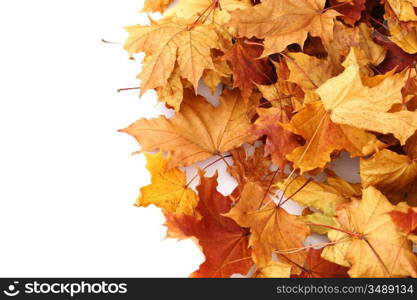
[361, 38]
[221, 74]
[285, 22]
[217, 10]
[248, 70]
[172, 93]
[273, 269]
[279, 141]
[407, 221]
[156, 5]
[309, 72]
[323, 137]
[198, 131]
[225, 244]
[282, 93]
[253, 168]
[350, 9]
[317, 267]
[367, 50]
[388, 171]
[325, 197]
[168, 189]
[405, 37]
[349, 102]
[404, 9]
[395, 58]
[368, 242]
[272, 228]
[169, 43]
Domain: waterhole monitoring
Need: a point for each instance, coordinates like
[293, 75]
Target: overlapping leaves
[301, 82]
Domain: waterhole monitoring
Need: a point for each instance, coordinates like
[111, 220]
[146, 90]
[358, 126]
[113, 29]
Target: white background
[67, 179]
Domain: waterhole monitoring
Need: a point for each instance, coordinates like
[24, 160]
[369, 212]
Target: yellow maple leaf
[198, 131]
[405, 37]
[172, 92]
[388, 171]
[308, 71]
[323, 137]
[349, 102]
[285, 22]
[168, 189]
[272, 228]
[404, 9]
[169, 43]
[325, 197]
[273, 269]
[368, 241]
[156, 5]
[217, 13]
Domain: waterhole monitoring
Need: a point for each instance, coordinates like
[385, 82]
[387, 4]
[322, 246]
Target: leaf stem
[208, 166]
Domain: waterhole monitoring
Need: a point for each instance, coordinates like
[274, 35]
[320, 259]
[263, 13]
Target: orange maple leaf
[248, 68]
[279, 142]
[224, 243]
[317, 267]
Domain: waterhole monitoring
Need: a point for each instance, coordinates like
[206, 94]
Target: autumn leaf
[198, 131]
[217, 11]
[248, 70]
[170, 43]
[388, 171]
[349, 102]
[156, 5]
[407, 221]
[168, 189]
[350, 9]
[309, 72]
[273, 269]
[403, 36]
[325, 197]
[404, 9]
[172, 93]
[368, 242]
[279, 141]
[285, 22]
[323, 137]
[272, 228]
[317, 267]
[225, 245]
[251, 168]
[396, 59]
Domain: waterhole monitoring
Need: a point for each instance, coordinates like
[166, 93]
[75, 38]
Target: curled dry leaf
[388, 171]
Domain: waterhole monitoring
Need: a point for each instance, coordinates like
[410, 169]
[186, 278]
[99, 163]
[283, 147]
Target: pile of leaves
[302, 82]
